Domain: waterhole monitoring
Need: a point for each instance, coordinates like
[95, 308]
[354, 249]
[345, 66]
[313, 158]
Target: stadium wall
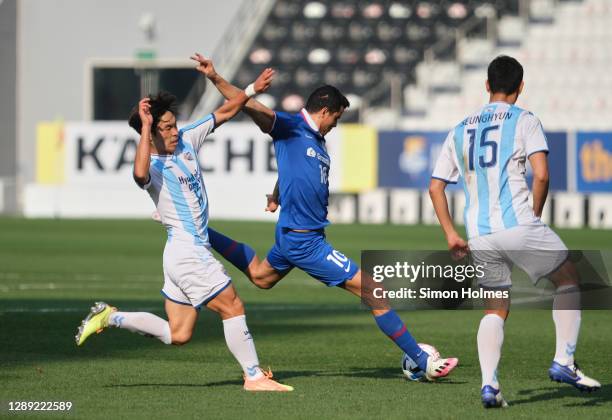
[57, 40]
[8, 76]
[84, 170]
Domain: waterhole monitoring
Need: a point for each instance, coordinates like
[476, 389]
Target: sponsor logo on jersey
[311, 152]
[323, 159]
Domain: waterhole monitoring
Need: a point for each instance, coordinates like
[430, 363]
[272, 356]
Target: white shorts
[535, 249]
[192, 275]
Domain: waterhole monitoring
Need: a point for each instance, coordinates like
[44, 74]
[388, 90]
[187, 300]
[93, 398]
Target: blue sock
[392, 325]
[238, 254]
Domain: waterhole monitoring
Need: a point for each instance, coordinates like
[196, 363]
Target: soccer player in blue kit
[303, 166]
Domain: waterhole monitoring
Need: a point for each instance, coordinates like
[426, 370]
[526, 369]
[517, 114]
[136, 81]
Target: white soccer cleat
[572, 375]
[438, 367]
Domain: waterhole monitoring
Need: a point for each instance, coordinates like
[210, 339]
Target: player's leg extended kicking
[329, 266]
[182, 317]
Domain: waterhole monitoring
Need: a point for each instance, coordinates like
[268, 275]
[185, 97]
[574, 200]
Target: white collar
[309, 120]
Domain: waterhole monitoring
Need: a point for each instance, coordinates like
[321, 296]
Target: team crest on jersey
[188, 155]
[311, 152]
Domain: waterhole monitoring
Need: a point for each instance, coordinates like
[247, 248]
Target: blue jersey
[303, 168]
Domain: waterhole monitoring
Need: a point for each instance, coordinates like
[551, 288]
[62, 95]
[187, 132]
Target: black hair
[505, 75]
[326, 97]
[162, 102]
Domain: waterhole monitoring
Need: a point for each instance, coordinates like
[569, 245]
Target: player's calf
[227, 304]
[180, 338]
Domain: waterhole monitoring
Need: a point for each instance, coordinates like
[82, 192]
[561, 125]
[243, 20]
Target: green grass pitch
[319, 340]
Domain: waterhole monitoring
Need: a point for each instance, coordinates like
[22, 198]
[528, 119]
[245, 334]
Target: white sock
[566, 316]
[242, 346]
[142, 323]
[490, 340]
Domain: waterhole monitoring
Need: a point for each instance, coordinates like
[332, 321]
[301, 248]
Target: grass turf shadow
[352, 372]
[594, 399]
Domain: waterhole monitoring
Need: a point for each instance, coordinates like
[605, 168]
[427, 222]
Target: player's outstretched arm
[259, 113]
[539, 188]
[142, 161]
[455, 242]
[229, 109]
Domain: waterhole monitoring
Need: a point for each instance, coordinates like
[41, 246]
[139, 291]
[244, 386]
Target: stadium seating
[354, 45]
[566, 61]
[359, 46]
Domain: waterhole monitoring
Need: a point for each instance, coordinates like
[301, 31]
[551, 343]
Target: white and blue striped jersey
[488, 150]
[177, 188]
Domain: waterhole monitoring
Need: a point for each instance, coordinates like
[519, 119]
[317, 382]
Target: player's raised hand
[272, 205]
[263, 82]
[204, 66]
[144, 111]
[457, 246]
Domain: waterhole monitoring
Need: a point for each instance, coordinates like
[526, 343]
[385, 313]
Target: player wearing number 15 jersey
[303, 167]
[493, 143]
[489, 150]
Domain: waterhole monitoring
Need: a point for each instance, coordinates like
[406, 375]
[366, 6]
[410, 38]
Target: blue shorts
[310, 252]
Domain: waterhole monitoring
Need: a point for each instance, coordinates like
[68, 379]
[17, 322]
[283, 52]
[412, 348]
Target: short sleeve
[281, 127]
[196, 132]
[532, 134]
[446, 168]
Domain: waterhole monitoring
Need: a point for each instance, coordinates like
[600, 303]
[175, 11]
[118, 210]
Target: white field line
[80, 281]
[79, 277]
[63, 310]
[63, 286]
[160, 307]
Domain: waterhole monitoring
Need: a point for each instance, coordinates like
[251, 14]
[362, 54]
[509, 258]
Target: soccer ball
[411, 368]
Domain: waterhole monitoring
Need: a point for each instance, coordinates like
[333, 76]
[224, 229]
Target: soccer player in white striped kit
[489, 149]
[166, 166]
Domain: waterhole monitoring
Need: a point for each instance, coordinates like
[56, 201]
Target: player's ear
[520, 89]
[487, 86]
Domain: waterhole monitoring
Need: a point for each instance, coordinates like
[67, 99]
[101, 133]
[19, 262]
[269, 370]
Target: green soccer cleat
[95, 322]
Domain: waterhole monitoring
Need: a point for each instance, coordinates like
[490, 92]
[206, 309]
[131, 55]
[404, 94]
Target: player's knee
[502, 313]
[180, 338]
[231, 308]
[263, 282]
[565, 276]
[237, 307]
[264, 285]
